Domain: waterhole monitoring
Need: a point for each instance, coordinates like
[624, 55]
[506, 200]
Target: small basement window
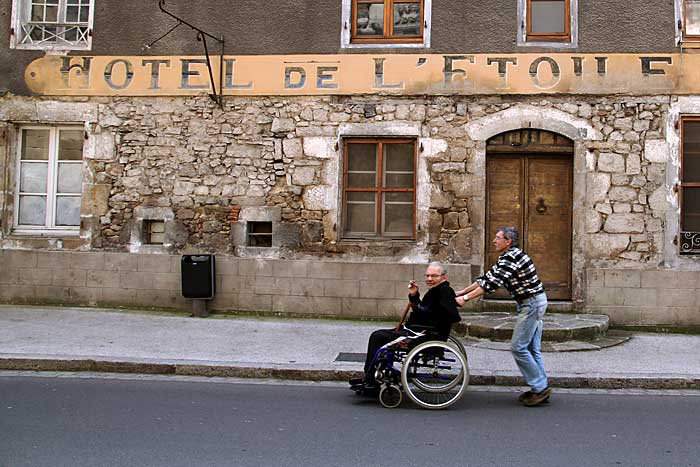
[260, 234]
[154, 232]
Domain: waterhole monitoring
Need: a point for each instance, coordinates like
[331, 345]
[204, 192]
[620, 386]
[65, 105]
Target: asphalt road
[71, 421]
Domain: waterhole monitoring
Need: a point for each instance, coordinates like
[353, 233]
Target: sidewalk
[83, 339]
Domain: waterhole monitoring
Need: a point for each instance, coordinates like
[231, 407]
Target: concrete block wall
[344, 289]
[645, 297]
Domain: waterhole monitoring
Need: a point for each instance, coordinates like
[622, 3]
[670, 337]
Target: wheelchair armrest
[430, 331]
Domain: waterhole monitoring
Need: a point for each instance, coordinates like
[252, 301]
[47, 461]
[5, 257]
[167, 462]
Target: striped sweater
[515, 271]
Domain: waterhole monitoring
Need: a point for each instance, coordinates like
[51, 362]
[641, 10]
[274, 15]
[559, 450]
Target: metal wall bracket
[202, 35]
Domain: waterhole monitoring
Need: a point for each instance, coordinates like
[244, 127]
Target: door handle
[541, 208]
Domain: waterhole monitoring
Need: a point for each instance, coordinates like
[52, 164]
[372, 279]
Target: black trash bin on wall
[198, 276]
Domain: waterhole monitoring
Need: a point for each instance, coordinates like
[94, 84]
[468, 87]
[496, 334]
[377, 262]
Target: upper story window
[52, 24]
[379, 188]
[548, 23]
[548, 20]
[49, 179]
[386, 23]
[690, 185]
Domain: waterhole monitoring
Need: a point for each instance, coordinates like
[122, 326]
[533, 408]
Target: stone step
[558, 327]
[493, 305]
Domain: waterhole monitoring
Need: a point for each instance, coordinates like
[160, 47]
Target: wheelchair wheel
[457, 343]
[390, 396]
[445, 384]
[435, 375]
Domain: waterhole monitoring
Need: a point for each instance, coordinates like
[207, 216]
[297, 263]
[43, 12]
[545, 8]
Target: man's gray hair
[443, 269]
[511, 233]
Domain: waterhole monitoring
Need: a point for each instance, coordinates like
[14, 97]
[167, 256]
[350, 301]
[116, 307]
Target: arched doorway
[529, 184]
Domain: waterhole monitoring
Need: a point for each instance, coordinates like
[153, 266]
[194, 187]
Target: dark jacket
[438, 309]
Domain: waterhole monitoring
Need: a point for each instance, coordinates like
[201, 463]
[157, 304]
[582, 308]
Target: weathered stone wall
[626, 184]
[198, 161]
[206, 171]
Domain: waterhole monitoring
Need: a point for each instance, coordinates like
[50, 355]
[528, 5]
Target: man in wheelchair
[431, 318]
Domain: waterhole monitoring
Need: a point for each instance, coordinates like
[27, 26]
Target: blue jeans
[526, 343]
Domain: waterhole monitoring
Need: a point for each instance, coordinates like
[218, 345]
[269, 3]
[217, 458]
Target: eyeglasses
[434, 275]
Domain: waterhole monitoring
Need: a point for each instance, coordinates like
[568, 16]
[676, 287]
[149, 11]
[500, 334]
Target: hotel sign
[365, 74]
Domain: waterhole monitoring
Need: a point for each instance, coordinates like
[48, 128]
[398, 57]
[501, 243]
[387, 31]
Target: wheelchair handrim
[409, 379]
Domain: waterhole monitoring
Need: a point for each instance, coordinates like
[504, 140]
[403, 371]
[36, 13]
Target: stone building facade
[261, 180]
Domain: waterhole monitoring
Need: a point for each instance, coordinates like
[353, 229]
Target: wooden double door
[533, 191]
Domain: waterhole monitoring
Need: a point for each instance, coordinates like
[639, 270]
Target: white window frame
[522, 28]
[21, 10]
[346, 30]
[49, 226]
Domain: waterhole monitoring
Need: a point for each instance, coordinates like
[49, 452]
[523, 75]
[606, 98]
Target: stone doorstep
[558, 327]
[506, 305]
[610, 340]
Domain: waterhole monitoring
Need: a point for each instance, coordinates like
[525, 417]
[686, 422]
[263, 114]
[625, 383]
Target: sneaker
[526, 394]
[536, 398]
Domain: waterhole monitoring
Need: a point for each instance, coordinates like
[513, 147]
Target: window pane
[398, 157]
[37, 13]
[157, 238]
[370, 19]
[399, 197]
[361, 212]
[68, 210]
[362, 165]
[85, 14]
[548, 16]
[398, 180]
[157, 227]
[32, 177]
[362, 157]
[70, 145]
[35, 145]
[398, 213]
[70, 178]
[407, 19]
[51, 14]
[691, 151]
[362, 180]
[71, 14]
[690, 209]
[32, 210]
[692, 17]
[361, 196]
[398, 165]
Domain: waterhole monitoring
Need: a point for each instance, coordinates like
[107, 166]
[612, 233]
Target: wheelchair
[432, 372]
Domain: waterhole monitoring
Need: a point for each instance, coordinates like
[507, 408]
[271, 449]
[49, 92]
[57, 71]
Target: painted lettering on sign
[362, 74]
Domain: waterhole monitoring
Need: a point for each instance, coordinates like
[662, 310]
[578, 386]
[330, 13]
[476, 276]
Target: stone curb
[477, 378]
